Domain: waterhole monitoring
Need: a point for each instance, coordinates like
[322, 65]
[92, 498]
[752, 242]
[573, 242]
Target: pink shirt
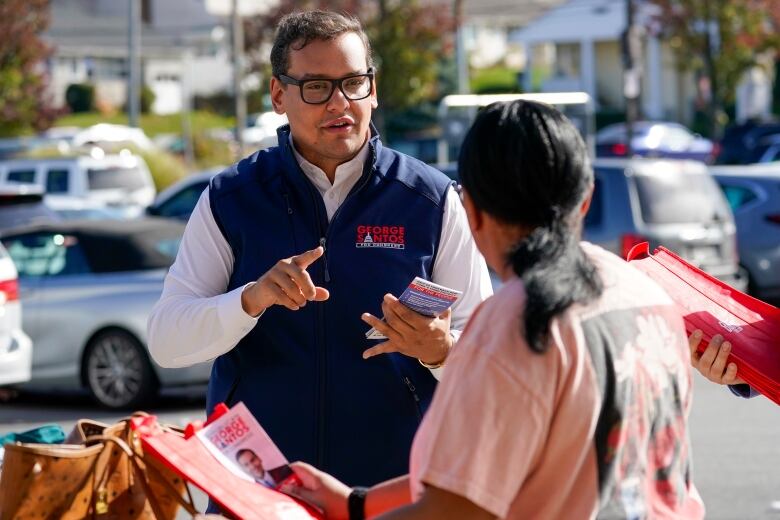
[597, 425]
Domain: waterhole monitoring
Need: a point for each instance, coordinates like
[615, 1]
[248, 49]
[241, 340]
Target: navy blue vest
[301, 372]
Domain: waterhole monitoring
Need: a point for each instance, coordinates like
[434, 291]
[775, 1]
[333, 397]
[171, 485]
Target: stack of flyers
[238, 441]
[423, 297]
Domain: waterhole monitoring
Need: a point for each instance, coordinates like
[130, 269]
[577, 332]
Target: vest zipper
[322, 351]
[413, 391]
[370, 161]
[325, 258]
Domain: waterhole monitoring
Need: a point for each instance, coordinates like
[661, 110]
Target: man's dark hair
[245, 450]
[526, 164]
[297, 30]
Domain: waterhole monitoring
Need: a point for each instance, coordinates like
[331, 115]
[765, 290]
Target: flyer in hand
[423, 297]
[240, 444]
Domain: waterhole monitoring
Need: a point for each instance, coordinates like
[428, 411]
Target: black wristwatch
[356, 503]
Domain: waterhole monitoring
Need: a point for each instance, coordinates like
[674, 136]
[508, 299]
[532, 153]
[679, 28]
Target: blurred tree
[410, 43]
[23, 100]
[719, 40]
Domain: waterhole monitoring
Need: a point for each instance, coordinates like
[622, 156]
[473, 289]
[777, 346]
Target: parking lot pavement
[736, 442]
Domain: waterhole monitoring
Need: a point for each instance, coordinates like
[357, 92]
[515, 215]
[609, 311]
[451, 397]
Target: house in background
[183, 48]
[487, 25]
[580, 43]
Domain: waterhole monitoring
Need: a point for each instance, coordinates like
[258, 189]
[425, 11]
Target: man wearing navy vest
[293, 253]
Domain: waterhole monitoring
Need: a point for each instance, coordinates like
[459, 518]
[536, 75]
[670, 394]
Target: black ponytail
[526, 164]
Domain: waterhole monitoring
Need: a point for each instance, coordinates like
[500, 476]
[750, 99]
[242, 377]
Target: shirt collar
[345, 172]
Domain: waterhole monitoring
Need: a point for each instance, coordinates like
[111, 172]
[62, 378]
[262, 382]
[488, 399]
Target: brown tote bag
[105, 477]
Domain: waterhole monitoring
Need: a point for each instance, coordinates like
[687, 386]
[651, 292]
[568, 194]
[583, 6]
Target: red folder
[187, 456]
[706, 303]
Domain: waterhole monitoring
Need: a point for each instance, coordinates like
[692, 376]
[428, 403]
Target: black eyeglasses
[318, 91]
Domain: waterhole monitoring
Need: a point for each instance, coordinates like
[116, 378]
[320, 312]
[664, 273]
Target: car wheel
[117, 370]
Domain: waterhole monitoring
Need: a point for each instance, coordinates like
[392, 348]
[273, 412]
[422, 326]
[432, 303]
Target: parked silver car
[672, 203]
[87, 288]
[753, 191]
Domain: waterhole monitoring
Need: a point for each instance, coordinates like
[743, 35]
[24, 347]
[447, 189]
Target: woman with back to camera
[568, 394]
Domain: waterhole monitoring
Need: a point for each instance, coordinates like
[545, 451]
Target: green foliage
[165, 167]
[147, 99]
[494, 80]
[24, 104]
[152, 124]
[210, 152]
[223, 103]
[407, 39]
[412, 43]
[80, 97]
[740, 32]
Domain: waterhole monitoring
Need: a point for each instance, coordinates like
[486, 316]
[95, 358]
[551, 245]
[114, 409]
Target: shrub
[147, 99]
[210, 152]
[80, 97]
[165, 167]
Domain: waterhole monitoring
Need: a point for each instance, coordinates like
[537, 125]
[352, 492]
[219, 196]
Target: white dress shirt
[195, 320]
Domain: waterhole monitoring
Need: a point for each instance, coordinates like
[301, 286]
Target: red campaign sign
[708, 304]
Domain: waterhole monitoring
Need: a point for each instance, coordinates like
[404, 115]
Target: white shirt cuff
[231, 313]
[438, 372]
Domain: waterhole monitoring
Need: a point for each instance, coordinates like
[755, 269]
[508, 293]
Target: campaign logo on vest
[391, 237]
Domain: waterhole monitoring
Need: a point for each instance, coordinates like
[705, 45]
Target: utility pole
[632, 73]
[713, 105]
[238, 76]
[461, 61]
[186, 109]
[134, 62]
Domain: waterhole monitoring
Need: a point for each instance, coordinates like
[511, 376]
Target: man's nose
[338, 102]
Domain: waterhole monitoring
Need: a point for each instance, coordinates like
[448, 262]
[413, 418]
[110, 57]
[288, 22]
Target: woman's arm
[435, 504]
[391, 499]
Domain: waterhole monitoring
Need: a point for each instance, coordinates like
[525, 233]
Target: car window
[737, 196]
[46, 254]
[115, 178]
[772, 154]
[21, 176]
[680, 198]
[595, 214]
[57, 181]
[183, 203]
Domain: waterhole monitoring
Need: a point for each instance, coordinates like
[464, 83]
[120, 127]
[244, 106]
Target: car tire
[117, 371]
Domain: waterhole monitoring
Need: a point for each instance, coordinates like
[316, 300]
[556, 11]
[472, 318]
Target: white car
[105, 133]
[121, 180]
[15, 345]
[261, 129]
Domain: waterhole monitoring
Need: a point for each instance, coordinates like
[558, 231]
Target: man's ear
[374, 97]
[277, 95]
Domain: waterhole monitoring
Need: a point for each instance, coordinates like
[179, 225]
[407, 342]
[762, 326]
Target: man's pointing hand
[287, 283]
